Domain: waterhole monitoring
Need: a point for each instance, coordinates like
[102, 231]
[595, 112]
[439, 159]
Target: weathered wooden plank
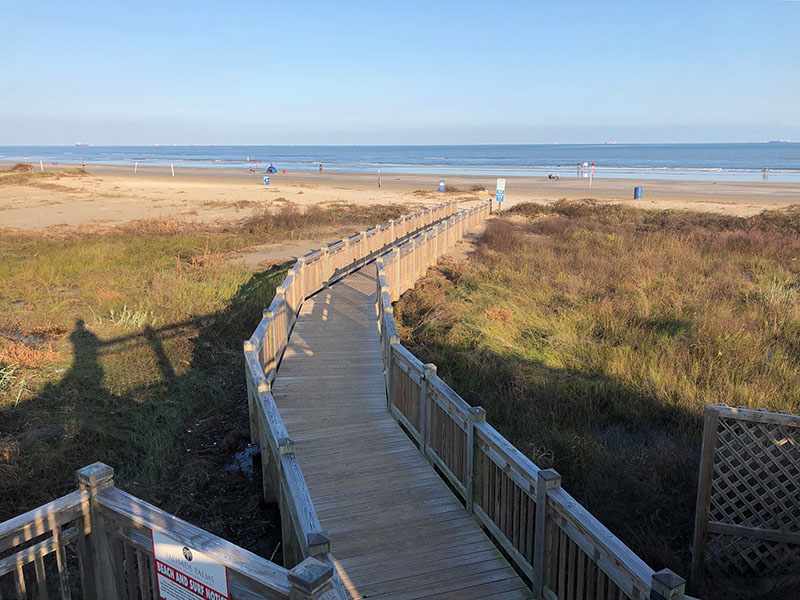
[367, 488]
[704, 489]
[43, 519]
[119, 504]
[241, 586]
[31, 553]
[41, 578]
[61, 564]
[625, 568]
[142, 563]
[757, 416]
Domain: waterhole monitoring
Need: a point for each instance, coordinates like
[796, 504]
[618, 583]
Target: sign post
[266, 180]
[441, 186]
[184, 573]
[500, 193]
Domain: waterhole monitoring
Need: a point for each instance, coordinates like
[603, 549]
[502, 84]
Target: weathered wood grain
[380, 501]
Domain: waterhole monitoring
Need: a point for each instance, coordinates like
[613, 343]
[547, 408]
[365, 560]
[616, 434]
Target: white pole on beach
[41, 166]
[173, 169]
[135, 166]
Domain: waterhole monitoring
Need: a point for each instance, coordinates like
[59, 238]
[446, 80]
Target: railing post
[547, 479]
[310, 580]
[424, 409]
[97, 568]
[667, 585]
[392, 339]
[270, 465]
[270, 346]
[395, 286]
[364, 249]
[249, 347]
[319, 543]
[476, 415]
[704, 490]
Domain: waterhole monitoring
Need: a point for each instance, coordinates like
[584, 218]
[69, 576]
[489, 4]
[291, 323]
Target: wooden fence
[553, 540]
[97, 544]
[748, 499]
[302, 534]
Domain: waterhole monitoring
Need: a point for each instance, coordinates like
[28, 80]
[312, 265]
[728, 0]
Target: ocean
[719, 162]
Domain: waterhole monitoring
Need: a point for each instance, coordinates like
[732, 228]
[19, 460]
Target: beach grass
[123, 344]
[594, 335]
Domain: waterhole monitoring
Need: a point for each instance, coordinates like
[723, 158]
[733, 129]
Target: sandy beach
[108, 195]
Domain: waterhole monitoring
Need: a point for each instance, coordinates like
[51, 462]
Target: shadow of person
[62, 415]
[122, 401]
[84, 379]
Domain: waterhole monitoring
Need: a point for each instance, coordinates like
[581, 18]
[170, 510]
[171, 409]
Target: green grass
[135, 360]
[594, 336]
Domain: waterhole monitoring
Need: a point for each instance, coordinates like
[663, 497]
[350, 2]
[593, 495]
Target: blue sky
[395, 73]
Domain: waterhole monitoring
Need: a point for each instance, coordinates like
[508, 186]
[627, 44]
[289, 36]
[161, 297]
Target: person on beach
[320, 168]
[83, 165]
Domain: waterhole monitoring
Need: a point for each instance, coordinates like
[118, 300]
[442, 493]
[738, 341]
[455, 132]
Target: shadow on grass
[169, 440]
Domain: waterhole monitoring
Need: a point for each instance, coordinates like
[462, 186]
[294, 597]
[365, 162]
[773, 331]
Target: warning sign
[187, 574]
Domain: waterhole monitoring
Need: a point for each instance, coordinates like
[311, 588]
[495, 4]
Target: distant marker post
[500, 193]
[379, 178]
[41, 166]
[591, 177]
[173, 168]
[135, 166]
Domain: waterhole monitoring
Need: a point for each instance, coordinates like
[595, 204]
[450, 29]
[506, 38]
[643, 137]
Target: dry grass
[22, 355]
[26, 174]
[141, 363]
[293, 221]
[594, 335]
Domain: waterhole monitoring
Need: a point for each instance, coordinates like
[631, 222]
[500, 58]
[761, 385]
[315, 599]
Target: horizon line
[184, 145]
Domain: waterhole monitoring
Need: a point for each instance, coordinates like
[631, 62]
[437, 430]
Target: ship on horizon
[81, 143]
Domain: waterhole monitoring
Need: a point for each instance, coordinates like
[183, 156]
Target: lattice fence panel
[748, 519]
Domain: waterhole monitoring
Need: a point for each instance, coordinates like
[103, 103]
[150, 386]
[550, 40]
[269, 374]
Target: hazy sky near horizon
[345, 72]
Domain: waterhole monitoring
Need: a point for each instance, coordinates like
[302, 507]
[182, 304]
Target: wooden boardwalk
[397, 530]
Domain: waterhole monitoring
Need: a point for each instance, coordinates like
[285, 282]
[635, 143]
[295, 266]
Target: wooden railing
[562, 549]
[283, 481]
[97, 543]
[315, 270]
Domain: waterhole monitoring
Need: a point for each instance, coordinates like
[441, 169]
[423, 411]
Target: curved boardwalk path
[398, 531]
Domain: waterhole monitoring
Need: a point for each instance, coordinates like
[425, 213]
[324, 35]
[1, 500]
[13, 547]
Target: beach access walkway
[397, 530]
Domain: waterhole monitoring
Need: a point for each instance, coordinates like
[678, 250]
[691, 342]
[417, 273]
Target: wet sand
[108, 195]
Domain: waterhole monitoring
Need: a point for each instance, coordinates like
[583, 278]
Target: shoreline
[568, 172]
[111, 194]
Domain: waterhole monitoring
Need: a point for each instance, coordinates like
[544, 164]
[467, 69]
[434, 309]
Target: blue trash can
[637, 193]
[266, 180]
[441, 186]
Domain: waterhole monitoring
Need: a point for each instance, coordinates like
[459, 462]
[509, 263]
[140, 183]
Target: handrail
[563, 550]
[320, 268]
[112, 534]
[283, 480]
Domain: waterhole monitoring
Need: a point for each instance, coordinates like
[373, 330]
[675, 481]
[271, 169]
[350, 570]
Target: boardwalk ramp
[398, 531]
[383, 472]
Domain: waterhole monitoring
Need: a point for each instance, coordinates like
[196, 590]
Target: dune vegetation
[123, 345]
[594, 335]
